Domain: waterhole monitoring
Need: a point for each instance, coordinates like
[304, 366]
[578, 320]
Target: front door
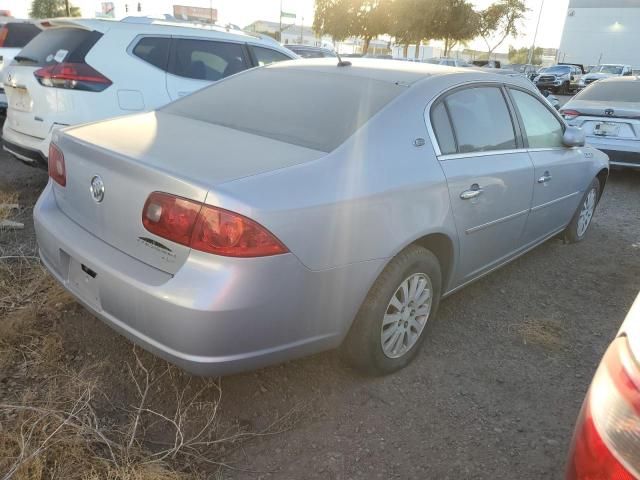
[560, 173]
[488, 173]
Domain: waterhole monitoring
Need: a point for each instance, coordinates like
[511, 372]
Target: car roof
[619, 79]
[145, 25]
[398, 72]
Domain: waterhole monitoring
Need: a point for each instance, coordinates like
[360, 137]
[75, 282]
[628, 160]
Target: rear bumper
[622, 153]
[25, 147]
[216, 315]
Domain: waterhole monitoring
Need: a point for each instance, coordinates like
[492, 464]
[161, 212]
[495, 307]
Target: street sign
[287, 15]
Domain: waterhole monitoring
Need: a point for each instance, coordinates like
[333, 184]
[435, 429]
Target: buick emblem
[609, 112]
[97, 188]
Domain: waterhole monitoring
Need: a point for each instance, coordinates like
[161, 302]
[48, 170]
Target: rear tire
[391, 324]
[577, 230]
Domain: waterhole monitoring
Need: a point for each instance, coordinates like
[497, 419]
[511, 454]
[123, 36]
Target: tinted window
[305, 53]
[207, 60]
[265, 56]
[622, 91]
[282, 104]
[542, 128]
[59, 44]
[481, 120]
[19, 34]
[442, 128]
[153, 50]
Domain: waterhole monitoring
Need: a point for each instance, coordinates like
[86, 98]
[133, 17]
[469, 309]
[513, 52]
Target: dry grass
[548, 333]
[53, 419]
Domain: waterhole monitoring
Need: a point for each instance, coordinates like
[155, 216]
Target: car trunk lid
[623, 118]
[139, 154]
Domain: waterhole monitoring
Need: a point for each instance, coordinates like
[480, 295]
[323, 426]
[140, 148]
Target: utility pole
[68, 8]
[535, 36]
[301, 27]
[280, 28]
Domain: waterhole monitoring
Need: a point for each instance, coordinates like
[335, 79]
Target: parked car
[79, 71]
[562, 78]
[449, 62]
[636, 72]
[609, 113]
[525, 69]
[487, 63]
[605, 71]
[306, 51]
[606, 441]
[14, 34]
[405, 183]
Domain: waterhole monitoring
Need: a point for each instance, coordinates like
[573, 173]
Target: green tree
[500, 21]
[454, 21]
[52, 9]
[331, 17]
[411, 22]
[369, 19]
[521, 55]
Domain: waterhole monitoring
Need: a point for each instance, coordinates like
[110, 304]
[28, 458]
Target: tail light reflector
[606, 443]
[57, 169]
[570, 114]
[4, 33]
[206, 228]
[74, 76]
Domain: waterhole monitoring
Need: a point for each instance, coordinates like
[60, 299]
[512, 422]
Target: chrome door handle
[545, 178]
[474, 192]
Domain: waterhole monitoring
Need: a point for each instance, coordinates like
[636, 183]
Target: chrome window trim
[446, 91]
[486, 153]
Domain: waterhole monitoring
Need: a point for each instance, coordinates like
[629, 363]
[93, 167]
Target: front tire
[577, 230]
[391, 324]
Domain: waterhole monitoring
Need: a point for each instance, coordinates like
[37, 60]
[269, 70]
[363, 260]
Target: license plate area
[19, 99]
[83, 281]
[607, 129]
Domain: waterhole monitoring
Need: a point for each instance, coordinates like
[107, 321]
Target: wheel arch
[441, 245]
[602, 177]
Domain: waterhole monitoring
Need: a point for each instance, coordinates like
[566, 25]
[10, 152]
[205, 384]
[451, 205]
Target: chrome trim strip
[21, 157]
[501, 264]
[456, 156]
[495, 222]
[624, 164]
[544, 205]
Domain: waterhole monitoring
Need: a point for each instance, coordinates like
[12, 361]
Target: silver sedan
[609, 113]
[308, 205]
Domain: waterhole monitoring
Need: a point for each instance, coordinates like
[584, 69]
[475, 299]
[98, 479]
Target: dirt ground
[493, 394]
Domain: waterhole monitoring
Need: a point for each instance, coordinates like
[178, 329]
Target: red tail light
[570, 114]
[206, 228]
[4, 33]
[57, 170]
[74, 76]
[606, 443]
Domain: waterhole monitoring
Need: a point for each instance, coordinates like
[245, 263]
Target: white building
[601, 31]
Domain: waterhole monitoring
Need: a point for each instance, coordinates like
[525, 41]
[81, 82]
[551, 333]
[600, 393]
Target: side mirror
[574, 137]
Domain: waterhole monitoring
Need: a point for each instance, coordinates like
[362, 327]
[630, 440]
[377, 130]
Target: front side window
[207, 60]
[265, 56]
[153, 50]
[481, 120]
[541, 127]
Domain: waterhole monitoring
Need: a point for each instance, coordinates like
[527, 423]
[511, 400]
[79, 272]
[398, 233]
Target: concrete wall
[601, 35]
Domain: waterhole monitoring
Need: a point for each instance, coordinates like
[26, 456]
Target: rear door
[195, 63]
[33, 106]
[489, 175]
[560, 172]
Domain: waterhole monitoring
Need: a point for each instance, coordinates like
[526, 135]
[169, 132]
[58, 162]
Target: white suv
[79, 71]
[14, 34]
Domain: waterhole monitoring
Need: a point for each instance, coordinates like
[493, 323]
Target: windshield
[282, 104]
[558, 70]
[612, 69]
[607, 91]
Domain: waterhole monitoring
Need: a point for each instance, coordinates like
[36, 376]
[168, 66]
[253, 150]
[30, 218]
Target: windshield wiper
[22, 58]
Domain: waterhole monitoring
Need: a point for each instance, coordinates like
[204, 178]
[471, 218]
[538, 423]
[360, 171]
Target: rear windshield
[626, 91]
[19, 34]
[307, 108]
[612, 69]
[58, 45]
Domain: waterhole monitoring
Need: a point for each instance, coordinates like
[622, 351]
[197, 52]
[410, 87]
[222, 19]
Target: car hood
[597, 76]
[631, 328]
[202, 153]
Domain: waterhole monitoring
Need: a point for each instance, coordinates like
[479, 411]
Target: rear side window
[481, 120]
[57, 45]
[265, 56]
[153, 50]
[207, 60]
[17, 35]
[619, 91]
[442, 128]
[542, 128]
